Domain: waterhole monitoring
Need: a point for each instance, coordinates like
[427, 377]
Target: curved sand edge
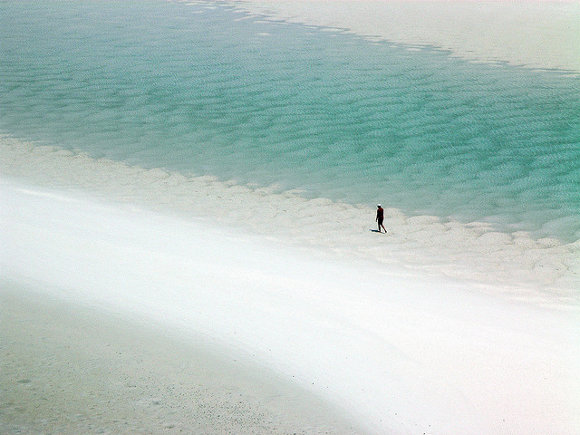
[395, 352]
[545, 271]
[536, 34]
[72, 369]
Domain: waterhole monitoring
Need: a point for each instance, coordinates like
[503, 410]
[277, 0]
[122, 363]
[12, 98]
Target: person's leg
[380, 222]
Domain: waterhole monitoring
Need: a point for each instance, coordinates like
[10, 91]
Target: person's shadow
[377, 231]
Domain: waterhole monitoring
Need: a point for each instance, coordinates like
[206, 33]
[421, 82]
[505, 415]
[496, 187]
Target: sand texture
[70, 369]
[544, 271]
[399, 352]
[136, 300]
[533, 34]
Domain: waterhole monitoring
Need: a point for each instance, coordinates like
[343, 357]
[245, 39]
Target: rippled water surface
[210, 90]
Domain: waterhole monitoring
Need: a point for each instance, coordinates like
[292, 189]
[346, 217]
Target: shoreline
[149, 300]
[400, 352]
[70, 368]
[515, 266]
[536, 35]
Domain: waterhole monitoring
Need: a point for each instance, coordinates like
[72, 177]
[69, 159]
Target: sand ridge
[535, 34]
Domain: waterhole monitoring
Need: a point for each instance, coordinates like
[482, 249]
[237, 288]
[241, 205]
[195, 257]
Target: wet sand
[516, 266]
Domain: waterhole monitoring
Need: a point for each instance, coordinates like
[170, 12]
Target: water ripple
[163, 86]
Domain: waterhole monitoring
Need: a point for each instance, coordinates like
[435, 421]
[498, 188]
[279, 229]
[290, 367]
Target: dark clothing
[380, 215]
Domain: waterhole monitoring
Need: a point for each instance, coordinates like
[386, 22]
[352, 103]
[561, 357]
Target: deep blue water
[196, 90]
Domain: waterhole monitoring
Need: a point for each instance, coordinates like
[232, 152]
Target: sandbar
[534, 34]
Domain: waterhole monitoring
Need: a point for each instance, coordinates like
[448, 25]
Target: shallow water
[209, 90]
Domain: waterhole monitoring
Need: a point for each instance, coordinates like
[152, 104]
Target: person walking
[380, 217]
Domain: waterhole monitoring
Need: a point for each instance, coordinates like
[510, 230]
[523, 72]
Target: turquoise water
[201, 91]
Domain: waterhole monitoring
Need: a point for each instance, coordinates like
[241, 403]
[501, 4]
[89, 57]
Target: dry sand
[535, 34]
[399, 353]
[71, 369]
[545, 271]
[75, 369]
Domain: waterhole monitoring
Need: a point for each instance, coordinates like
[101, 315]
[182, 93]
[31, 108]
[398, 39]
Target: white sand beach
[146, 301]
[517, 267]
[397, 352]
[70, 368]
[535, 34]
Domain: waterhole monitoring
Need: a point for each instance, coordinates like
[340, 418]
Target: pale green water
[192, 89]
